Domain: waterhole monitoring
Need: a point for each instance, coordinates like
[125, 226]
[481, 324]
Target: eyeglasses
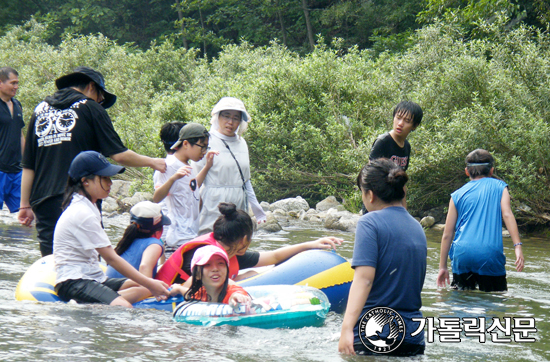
[204, 148]
[229, 118]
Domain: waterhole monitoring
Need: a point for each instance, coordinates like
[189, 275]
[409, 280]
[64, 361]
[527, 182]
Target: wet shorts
[486, 283]
[404, 350]
[10, 190]
[90, 291]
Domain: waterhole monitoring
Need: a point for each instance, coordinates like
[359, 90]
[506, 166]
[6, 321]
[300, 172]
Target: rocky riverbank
[328, 213]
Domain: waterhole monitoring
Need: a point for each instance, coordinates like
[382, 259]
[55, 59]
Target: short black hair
[479, 163]
[5, 73]
[169, 134]
[411, 108]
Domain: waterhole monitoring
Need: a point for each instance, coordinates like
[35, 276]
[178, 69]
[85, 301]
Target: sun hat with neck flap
[230, 104]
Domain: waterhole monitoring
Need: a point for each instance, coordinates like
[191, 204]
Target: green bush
[315, 117]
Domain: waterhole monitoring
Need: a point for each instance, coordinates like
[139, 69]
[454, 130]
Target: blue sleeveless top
[477, 245]
[134, 254]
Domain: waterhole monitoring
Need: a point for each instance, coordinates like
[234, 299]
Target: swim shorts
[486, 283]
[90, 291]
[10, 190]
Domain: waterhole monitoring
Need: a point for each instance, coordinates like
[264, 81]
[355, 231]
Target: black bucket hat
[87, 74]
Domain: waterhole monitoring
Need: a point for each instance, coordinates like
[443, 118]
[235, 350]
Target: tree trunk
[180, 17]
[203, 32]
[280, 14]
[308, 24]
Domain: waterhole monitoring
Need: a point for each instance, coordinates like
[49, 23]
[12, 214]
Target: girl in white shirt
[79, 239]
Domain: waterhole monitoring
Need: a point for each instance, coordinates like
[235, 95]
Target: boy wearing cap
[179, 186]
[72, 120]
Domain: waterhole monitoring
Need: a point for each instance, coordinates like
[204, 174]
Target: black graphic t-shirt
[10, 136]
[386, 147]
[61, 127]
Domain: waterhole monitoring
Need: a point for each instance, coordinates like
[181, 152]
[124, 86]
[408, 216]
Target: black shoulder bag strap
[240, 171]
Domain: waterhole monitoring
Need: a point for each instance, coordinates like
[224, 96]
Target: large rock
[438, 214]
[265, 206]
[328, 203]
[120, 189]
[427, 222]
[138, 197]
[343, 220]
[291, 204]
[271, 225]
[109, 205]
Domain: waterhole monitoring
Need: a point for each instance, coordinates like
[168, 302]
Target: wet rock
[291, 204]
[328, 203]
[343, 220]
[109, 205]
[265, 206]
[271, 225]
[280, 215]
[427, 222]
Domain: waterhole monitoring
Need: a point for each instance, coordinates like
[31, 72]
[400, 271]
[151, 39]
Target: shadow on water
[65, 332]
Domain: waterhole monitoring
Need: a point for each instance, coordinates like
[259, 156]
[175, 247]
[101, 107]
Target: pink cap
[203, 255]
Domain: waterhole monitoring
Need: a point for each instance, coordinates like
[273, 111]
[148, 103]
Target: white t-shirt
[182, 203]
[77, 235]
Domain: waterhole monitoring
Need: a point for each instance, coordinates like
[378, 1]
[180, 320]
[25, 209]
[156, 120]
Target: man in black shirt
[11, 139]
[64, 124]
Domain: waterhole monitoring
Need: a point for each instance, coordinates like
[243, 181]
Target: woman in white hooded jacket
[229, 178]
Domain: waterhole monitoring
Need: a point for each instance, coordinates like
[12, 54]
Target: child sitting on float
[210, 279]
[141, 245]
[79, 239]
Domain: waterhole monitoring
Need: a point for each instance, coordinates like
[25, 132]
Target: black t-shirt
[61, 127]
[248, 260]
[386, 147]
[10, 136]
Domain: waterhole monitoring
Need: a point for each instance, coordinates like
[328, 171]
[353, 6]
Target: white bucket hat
[230, 104]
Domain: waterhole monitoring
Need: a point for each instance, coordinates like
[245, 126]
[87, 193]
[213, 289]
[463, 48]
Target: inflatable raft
[324, 270]
[280, 306]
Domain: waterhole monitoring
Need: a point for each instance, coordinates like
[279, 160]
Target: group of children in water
[390, 248]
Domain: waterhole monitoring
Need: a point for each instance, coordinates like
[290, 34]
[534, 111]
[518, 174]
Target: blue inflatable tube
[280, 306]
[324, 270]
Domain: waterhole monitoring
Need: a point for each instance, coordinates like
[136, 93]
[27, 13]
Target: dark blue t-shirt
[10, 137]
[393, 242]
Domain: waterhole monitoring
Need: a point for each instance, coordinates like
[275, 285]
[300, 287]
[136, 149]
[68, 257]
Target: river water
[64, 332]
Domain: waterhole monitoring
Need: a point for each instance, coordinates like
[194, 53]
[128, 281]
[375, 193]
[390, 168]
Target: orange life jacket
[172, 268]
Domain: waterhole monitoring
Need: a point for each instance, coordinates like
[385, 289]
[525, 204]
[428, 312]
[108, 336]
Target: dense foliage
[316, 116]
[210, 24]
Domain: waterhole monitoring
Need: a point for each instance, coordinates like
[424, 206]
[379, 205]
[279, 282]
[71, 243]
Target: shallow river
[58, 332]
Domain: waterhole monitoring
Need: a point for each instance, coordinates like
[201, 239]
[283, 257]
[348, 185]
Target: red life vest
[172, 268]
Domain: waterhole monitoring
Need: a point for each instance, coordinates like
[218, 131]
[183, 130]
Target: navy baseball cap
[88, 163]
[87, 74]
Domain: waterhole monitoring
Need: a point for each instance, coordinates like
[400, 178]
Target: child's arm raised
[209, 157]
[446, 240]
[163, 191]
[512, 227]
